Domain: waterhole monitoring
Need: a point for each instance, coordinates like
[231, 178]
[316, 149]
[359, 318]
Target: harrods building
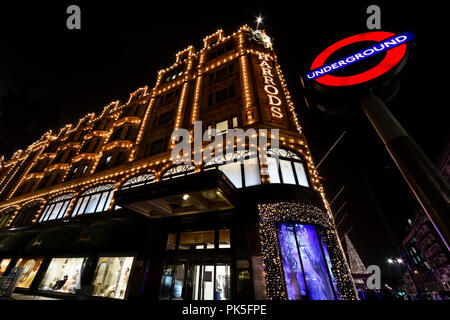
[99, 210]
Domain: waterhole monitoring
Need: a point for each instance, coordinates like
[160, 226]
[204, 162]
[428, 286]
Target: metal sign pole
[429, 187]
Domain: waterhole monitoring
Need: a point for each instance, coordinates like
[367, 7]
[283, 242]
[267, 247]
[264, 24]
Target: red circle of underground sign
[393, 56]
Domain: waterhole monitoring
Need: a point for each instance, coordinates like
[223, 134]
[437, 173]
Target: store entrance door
[196, 280]
[207, 281]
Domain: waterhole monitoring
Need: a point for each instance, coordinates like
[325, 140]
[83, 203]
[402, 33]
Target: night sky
[51, 76]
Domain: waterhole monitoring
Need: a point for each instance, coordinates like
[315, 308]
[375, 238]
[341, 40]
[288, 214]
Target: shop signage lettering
[270, 87]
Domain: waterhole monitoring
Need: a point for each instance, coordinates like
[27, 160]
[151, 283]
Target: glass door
[196, 280]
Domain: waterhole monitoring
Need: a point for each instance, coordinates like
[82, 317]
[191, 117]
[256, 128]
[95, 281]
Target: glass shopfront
[193, 272]
[306, 271]
[63, 275]
[4, 263]
[111, 277]
[30, 268]
[196, 280]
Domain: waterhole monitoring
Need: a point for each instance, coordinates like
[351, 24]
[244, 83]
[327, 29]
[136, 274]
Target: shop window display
[30, 268]
[305, 263]
[3, 265]
[63, 275]
[111, 277]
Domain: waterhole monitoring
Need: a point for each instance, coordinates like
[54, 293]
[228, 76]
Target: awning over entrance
[199, 192]
[112, 234]
[54, 240]
[17, 242]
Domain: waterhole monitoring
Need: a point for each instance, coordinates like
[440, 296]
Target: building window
[199, 240]
[286, 167]
[306, 264]
[4, 263]
[111, 277]
[107, 160]
[26, 215]
[224, 239]
[169, 97]
[173, 75]
[221, 95]
[96, 199]
[196, 240]
[242, 168]
[5, 216]
[164, 118]
[57, 208]
[234, 122]
[30, 268]
[157, 147]
[139, 180]
[178, 171]
[86, 166]
[63, 275]
[72, 173]
[44, 181]
[222, 126]
[220, 51]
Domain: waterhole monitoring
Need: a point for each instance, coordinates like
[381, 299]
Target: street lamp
[397, 260]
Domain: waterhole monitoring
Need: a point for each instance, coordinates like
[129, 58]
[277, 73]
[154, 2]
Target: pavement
[19, 296]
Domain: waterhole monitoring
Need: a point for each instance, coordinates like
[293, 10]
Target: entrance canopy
[188, 194]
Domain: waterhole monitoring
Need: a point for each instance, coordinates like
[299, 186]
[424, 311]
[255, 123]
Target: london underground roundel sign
[394, 46]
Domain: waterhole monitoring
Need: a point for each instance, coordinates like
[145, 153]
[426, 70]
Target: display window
[63, 275]
[30, 268]
[4, 263]
[111, 277]
[305, 263]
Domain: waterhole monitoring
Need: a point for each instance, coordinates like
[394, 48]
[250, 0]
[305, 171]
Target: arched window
[96, 199]
[57, 208]
[178, 171]
[241, 167]
[138, 180]
[5, 216]
[286, 167]
[26, 214]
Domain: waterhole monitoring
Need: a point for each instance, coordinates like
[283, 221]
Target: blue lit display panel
[293, 274]
[306, 264]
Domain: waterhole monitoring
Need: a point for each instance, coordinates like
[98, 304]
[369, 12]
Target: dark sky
[51, 76]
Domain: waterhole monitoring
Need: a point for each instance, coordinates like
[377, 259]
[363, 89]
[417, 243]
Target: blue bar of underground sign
[381, 46]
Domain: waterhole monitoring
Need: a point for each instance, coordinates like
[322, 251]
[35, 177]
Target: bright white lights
[258, 21]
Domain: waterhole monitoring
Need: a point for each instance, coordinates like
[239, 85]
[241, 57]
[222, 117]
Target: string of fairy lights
[246, 55]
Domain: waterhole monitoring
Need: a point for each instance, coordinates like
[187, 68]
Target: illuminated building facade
[99, 210]
[426, 253]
